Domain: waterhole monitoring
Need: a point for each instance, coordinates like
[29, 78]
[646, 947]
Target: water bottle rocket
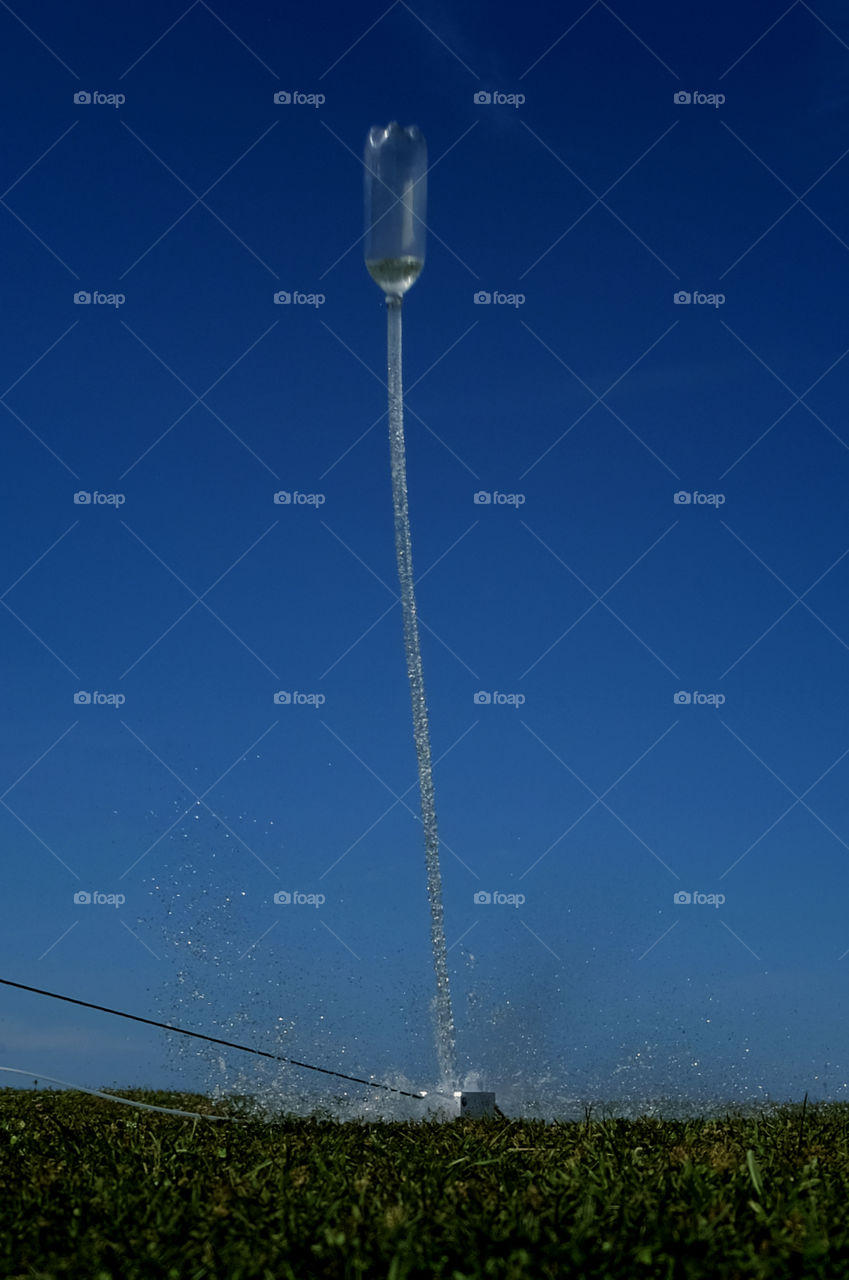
[395, 205]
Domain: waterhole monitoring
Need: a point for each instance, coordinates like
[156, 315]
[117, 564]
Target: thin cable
[167, 1026]
[112, 1097]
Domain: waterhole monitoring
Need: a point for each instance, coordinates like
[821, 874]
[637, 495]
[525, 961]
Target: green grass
[94, 1190]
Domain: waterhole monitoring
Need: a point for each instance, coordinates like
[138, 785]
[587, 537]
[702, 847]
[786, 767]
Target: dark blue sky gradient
[593, 594]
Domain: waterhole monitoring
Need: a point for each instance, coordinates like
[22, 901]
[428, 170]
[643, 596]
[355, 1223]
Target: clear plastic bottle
[395, 206]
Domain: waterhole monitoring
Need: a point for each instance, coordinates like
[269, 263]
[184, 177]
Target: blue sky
[675, 671]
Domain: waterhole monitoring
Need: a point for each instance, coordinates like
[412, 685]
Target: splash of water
[444, 1018]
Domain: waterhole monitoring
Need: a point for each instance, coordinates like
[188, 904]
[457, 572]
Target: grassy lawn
[93, 1190]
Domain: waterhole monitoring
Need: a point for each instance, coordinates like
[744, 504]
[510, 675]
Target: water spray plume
[395, 205]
